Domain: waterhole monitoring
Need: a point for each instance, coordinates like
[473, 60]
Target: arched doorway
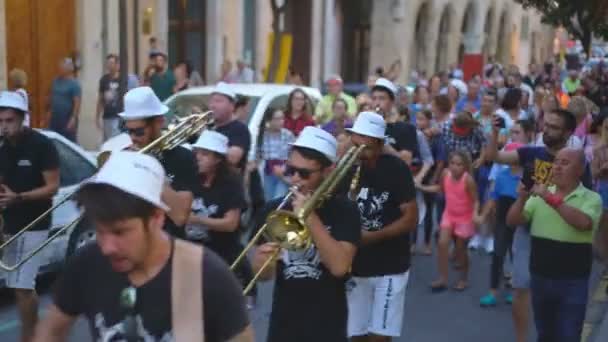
[418, 52]
[466, 28]
[441, 57]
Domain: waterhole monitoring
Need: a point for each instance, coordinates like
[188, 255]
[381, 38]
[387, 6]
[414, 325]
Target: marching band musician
[137, 283]
[144, 120]
[219, 199]
[386, 198]
[29, 178]
[309, 301]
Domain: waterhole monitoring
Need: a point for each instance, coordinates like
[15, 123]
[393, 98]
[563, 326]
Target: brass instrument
[176, 136]
[289, 229]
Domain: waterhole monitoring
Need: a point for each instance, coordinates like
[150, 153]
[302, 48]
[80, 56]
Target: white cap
[319, 140]
[369, 124]
[388, 85]
[460, 85]
[212, 141]
[135, 173]
[225, 89]
[116, 143]
[12, 99]
[142, 103]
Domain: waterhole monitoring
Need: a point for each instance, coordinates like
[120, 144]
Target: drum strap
[187, 292]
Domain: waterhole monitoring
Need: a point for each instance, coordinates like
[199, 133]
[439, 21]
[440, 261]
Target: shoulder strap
[187, 292]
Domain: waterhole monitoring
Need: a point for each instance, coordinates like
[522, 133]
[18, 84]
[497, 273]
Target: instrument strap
[187, 292]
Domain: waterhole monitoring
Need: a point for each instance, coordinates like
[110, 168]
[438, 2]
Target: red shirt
[297, 125]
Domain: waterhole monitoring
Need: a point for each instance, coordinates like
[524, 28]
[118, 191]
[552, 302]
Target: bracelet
[554, 201]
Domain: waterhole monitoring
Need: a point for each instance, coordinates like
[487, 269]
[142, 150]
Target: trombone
[289, 229]
[176, 136]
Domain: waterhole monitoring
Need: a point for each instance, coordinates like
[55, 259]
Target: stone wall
[3, 70]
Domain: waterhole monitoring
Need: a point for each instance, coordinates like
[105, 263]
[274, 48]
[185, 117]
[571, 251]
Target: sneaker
[509, 298]
[489, 245]
[487, 300]
[475, 242]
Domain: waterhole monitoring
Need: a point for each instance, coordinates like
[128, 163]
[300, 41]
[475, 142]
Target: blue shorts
[521, 258]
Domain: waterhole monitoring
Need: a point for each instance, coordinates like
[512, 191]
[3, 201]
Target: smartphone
[499, 122]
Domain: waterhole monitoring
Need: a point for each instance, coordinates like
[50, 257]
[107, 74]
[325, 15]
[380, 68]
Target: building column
[215, 41]
[332, 49]
[317, 46]
[162, 24]
[431, 36]
[3, 71]
[88, 38]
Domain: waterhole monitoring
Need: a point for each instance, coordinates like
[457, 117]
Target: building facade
[347, 37]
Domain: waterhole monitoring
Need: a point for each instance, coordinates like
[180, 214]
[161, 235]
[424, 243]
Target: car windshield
[183, 105]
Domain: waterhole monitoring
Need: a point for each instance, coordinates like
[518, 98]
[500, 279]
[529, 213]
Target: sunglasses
[138, 132]
[303, 173]
[128, 299]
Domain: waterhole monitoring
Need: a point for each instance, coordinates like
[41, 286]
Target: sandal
[438, 286]
[460, 286]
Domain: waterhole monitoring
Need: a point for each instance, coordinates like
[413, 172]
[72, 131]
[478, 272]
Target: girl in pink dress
[459, 217]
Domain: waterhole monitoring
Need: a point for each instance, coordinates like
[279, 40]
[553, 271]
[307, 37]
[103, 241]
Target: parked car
[75, 165]
[260, 97]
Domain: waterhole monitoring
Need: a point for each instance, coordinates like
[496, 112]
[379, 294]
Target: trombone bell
[286, 229]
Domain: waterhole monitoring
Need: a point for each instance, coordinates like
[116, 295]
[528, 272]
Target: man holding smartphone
[537, 164]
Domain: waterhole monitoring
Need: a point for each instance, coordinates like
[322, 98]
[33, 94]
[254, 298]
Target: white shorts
[376, 304]
[23, 277]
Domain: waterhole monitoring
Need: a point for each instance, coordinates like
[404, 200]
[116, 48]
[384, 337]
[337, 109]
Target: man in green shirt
[163, 80]
[324, 112]
[562, 218]
[572, 82]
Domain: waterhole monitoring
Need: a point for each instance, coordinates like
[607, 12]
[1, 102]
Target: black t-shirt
[537, 165]
[180, 167]
[238, 135]
[402, 136]
[21, 168]
[381, 192]
[110, 97]
[88, 286]
[309, 304]
[225, 194]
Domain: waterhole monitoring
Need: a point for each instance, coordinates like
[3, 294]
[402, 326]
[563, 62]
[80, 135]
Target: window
[73, 167]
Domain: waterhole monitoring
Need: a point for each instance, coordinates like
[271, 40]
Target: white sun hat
[142, 103]
[12, 99]
[369, 124]
[212, 141]
[319, 140]
[225, 89]
[386, 84]
[135, 173]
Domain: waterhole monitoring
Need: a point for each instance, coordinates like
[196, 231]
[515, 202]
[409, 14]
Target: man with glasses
[309, 302]
[137, 283]
[144, 120]
[386, 198]
[29, 178]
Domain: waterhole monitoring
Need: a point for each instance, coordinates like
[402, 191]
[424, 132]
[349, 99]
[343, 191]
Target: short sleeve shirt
[303, 282]
[110, 97]
[225, 194]
[163, 84]
[63, 92]
[21, 169]
[381, 193]
[537, 163]
[223, 308]
[182, 173]
[558, 249]
[239, 136]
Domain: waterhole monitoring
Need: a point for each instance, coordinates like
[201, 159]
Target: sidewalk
[596, 322]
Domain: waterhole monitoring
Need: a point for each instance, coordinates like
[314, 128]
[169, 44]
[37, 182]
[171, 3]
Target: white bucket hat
[12, 99]
[116, 143]
[225, 89]
[135, 173]
[212, 141]
[369, 124]
[142, 103]
[386, 84]
[319, 140]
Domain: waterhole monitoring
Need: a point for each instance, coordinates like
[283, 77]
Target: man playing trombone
[144, 121]
[309, 302]
[29, 178]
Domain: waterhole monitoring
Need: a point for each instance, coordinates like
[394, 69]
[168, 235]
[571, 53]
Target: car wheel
[82, 235]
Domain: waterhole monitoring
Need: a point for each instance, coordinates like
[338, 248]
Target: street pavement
[448, 316]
